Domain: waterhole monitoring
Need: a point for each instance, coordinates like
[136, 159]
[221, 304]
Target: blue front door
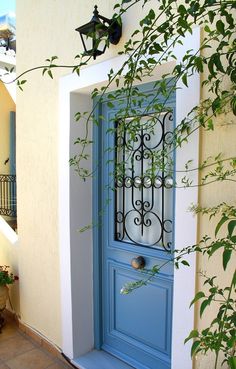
[136, 220]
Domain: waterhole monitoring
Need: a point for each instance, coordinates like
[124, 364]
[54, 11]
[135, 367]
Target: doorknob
[138, 262]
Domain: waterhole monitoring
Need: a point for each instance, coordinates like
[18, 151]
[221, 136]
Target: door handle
[138, 262]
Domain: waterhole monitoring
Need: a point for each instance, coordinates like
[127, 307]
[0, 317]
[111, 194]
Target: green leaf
[135, 32]
[199, 64]
[215, 247]
[218, 63]
[110, 105]
[157, 47]
[216, 105]
[183, 23]
[151, 61]
[151, 14]
[231, 226]
[194, 347]
[232, 362]
[193, 334]
[230, 20]
[211, 15]
[233, 239]
[233, 103]
[219, 225]
[220, 27]
[194, 7]
[207, 29]
[205, 331]
[211, 65]
[185, 80]
[226, 258]
[182, 10]
[184, 262]
[50, 73]
[197, 297]
[210, 125]
[203, 306]
[234, 279]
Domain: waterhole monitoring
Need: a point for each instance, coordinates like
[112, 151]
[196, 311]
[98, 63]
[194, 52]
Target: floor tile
[34, 359]
[58, 366]
[19, 351]
[8, 331]
[14, 346]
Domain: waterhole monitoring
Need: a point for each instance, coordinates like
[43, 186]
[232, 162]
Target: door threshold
[99, 360]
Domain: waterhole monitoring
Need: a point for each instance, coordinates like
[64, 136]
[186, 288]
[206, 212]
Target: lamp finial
[95, 12]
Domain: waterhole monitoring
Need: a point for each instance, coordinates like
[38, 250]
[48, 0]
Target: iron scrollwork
[141, 216]
[8, 195]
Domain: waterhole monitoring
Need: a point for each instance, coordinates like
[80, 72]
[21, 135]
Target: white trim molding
[75, 212]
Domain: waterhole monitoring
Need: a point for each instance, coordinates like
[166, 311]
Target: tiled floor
[18, 351]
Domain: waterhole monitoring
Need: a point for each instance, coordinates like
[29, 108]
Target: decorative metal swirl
[8, 195]
[140, 198]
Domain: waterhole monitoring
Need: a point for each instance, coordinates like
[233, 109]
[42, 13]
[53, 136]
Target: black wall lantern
[97, 35]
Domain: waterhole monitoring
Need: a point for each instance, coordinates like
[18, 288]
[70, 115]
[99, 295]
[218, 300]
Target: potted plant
[5, 278]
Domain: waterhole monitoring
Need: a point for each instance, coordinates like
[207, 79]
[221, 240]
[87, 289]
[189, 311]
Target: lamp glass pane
[88, 41]
[102, 45]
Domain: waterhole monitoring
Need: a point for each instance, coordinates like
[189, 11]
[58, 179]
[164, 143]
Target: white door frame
[75, 212]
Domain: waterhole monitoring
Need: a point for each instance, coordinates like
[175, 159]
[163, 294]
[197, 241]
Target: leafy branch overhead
[153, 43]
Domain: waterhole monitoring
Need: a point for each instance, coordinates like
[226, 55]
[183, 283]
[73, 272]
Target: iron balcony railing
[8, 195]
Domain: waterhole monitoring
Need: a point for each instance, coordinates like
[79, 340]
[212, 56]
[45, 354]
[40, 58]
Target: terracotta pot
[3, 296]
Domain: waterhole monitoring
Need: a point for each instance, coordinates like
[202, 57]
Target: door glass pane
[144, 184]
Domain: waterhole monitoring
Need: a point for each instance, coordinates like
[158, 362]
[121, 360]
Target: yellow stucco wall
[221, 140]
[49, 30]
[6, 105]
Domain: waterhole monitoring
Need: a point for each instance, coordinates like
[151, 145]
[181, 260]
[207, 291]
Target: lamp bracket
[114, 30]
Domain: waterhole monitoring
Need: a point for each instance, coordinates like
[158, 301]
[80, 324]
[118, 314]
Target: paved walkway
[18, 351]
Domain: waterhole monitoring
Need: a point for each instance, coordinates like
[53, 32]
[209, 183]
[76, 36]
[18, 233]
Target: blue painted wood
[12, 157]
[99, 360]
[136, 328]
[12, 142]
[148, 329]
[97, 239]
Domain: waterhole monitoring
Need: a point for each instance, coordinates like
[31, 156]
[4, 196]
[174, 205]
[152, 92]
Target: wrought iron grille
[143, 196]
[8, 195]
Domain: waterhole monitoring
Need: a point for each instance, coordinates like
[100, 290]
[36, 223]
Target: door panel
[127, 318]
[137, 220]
